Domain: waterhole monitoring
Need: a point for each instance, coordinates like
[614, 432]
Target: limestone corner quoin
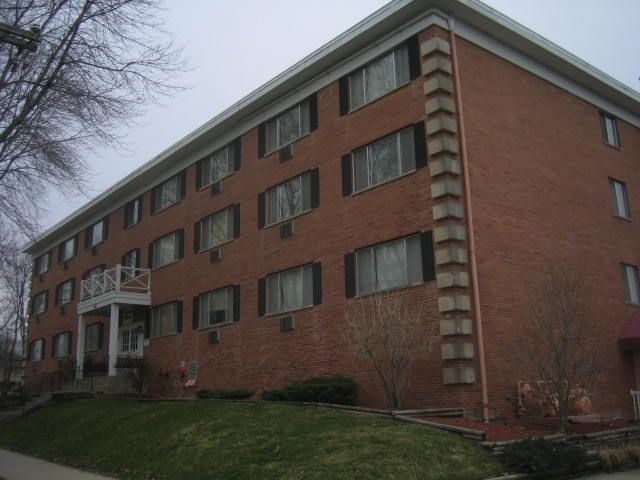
[514, 136]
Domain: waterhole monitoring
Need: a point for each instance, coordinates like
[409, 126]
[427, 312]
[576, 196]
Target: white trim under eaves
[527, 63]
[383, 44]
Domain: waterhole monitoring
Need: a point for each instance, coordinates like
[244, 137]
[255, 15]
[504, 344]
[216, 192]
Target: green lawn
[206, 440]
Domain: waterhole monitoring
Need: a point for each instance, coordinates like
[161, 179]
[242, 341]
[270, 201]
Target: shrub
[224, 394]
[619, 458]
[336, 389]
[542, 456]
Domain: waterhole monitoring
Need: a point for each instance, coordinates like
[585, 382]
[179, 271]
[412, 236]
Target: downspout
[472, 244]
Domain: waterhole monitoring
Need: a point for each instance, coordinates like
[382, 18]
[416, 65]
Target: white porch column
[80, 346]
[113, 338]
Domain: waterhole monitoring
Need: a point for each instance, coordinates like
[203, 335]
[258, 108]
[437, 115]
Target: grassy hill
[207, 440]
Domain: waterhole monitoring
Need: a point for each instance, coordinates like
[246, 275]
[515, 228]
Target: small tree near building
[559, 344]
[391, 334]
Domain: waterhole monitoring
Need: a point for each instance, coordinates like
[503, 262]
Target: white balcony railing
[118, 280]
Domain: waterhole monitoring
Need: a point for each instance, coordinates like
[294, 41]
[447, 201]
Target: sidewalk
[14, 466]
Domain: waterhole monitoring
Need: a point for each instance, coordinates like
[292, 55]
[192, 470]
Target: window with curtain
[389, 265]
[218, 165]
[215, 307]
[379, 77]
[290, 290]
[287, 127]
[289, 199]
[384, 159]
[630, 283]
[619, 199]
[164, 320]
[62, 344]
[216, 229]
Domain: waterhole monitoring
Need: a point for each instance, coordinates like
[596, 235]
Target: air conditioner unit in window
[216, 188]
[214, 336]
[215, 255]
[217, 316]
[286, 323]
[286, 230]
[285, 153]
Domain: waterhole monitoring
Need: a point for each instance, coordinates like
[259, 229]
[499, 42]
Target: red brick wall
[539, 182]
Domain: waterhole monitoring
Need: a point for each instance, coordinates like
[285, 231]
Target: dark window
[43, 263]
[65, 292]
[609, 129]
[167, 249]
[96, 233]
[288, 126]
[166, 319]
[68, 249]
[133, 212]
[218, 165]
[168, 193]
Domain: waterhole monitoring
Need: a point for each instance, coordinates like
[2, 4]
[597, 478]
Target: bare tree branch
[97, 64]
[391, 334]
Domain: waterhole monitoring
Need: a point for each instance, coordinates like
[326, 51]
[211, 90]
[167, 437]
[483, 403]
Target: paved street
[14, 466]
[631, 475]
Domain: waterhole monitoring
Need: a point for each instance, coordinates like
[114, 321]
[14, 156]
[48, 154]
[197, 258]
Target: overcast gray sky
[237, 45]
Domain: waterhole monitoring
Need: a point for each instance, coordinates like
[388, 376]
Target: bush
[335, 389]
[542, 456]
[224, 394]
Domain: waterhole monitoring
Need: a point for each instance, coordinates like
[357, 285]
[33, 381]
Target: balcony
[122, 285]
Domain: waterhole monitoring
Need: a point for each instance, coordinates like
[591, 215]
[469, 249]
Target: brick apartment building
[437, 147]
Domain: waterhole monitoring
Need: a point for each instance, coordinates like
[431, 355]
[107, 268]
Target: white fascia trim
[383, 44]
[525, 62]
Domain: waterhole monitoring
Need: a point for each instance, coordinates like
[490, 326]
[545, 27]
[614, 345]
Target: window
[168, 193]
[289, 126]
[43, 263]
[619, 199]
[397, 263]
[93, 337]
[631, 283]
[217, 228]
[133, 212]
[217, 307]
[40, 303]
[385, 159]
[218, 165]
[131, 259]
[62, 344]
[96, 233]
[609, 129]
[291, 289]
[381, 76]
[289, 199]
[166, 319]
[64, 293]
[68, 249]
[166, 250]
[36, 352]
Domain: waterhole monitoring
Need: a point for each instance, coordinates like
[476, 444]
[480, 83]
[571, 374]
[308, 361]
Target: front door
[130, 338]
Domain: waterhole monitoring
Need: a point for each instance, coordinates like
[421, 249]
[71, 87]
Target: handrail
[119, 279]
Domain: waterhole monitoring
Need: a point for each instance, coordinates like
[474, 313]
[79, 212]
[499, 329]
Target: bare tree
[91, 68]
[391, 334]
[557, 345]
[15, 271]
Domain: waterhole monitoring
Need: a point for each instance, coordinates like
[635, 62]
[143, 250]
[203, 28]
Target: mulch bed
[520, 428]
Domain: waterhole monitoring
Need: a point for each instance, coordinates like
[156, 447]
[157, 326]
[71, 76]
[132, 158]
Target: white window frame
[366, 154]
[215, 301]
[206, 224]
[276, 281]
[630, 283]
[68, 249]
[43, 266]
[36, 299]
[225, 155]
[158, 251]
[61, 341]
[61, 292]
[156, 331]
[95, 233]
[372, 251]
[363, 72]
[619, 199]
[36, 354]
[610, 130]
[273, 127]
[133, 212]
[280, 196]
[159, 200]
